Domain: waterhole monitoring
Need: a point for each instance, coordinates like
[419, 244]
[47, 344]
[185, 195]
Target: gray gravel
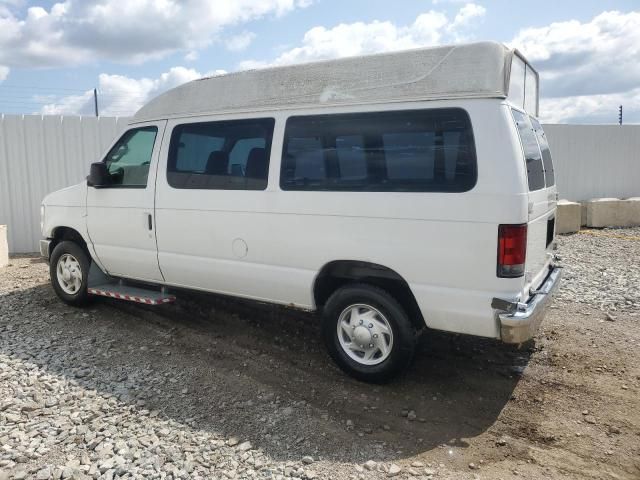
[602, 269]
[130, 392]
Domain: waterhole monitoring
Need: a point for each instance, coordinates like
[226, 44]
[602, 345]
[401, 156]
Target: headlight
[42, 219]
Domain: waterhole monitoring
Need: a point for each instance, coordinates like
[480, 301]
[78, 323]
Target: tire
[357, 313]
[72, 288]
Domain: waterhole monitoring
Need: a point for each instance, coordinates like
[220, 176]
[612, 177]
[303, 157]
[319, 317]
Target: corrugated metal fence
[39, 155]
[595, 161]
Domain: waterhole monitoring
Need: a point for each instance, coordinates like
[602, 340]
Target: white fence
[39, 155]
[596, 161]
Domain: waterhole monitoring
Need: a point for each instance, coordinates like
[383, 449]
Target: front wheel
[69, 271]
[368, 333]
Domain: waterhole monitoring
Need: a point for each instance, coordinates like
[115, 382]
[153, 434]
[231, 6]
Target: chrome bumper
[519, 322]
[44, 248]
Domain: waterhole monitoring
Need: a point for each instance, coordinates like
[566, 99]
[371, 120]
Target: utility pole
[620, 115]
[95, 100]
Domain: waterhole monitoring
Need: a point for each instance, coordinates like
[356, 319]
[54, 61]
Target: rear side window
[412, 151]
[546, 153]
[227, 155]
[535, 167]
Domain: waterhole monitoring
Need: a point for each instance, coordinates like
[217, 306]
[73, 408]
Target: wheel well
[66, 233]
[337, 274]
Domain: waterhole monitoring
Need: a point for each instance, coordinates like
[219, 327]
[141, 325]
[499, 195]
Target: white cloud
[592, 108]
[240, 42]
[4, 73]
[120, 95]
[587, 69]
[348, 39]
[465, 18]
[75, 32]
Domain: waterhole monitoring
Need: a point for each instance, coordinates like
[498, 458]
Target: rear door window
[533, 157]
[546, 153]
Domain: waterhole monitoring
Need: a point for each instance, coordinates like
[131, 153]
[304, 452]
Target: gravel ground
[218, 388]
[602, 268]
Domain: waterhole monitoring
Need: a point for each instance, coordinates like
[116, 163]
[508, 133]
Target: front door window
[129, 159]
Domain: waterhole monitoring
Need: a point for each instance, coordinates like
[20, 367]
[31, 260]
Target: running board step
[132, 294]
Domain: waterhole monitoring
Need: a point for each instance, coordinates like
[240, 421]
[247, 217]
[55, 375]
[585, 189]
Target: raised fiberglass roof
[460, 71]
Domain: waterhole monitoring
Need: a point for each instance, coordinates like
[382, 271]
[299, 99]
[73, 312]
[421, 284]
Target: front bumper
[44, 248]
[519, 322]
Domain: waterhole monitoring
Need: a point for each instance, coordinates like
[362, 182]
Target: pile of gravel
[602, 268]
[52, 427]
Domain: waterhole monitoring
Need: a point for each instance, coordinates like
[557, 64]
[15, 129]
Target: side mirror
[99, 175]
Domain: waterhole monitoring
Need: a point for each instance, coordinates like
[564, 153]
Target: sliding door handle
[149, 221]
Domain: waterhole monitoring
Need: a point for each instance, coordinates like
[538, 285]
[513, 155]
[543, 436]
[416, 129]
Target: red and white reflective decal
[131, 298]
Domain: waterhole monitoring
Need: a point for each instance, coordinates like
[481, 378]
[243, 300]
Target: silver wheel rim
[365, 334]
[69, 274]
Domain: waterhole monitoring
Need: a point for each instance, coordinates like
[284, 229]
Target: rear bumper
[44, 248]
[519, 322]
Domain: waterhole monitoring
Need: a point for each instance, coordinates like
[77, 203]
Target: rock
[349, 423]
[370, 465]
[394, 470]
[417, 464]
[44, 474]
[411, 415]
[590, 419]
[307, 460]
[245, 446]
[473, 466]
[614, 430]
[19, 475]
[501, 442]
[610, 317]
[310, 474]
[233, 441]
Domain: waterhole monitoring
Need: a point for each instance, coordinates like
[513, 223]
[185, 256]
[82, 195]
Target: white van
[390, 192]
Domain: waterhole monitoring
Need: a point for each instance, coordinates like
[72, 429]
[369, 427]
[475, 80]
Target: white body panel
[432, 240]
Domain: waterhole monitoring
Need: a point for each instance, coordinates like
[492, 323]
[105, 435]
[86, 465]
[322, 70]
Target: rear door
[542, 197]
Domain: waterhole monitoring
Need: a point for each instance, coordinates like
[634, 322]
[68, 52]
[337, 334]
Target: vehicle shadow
[260, 372]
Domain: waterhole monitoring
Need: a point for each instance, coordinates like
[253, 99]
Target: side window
[352, 157]
[413, 150]
[129, 159]
[535, 167]
[226, 155]
[546, 153]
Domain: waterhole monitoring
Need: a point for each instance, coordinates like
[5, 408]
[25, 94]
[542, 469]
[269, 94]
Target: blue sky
[52, 54]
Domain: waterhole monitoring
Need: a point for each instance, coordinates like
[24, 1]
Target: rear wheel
[69, 271]
[368, 333]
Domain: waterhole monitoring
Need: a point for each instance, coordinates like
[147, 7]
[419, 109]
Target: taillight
[512, 250]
